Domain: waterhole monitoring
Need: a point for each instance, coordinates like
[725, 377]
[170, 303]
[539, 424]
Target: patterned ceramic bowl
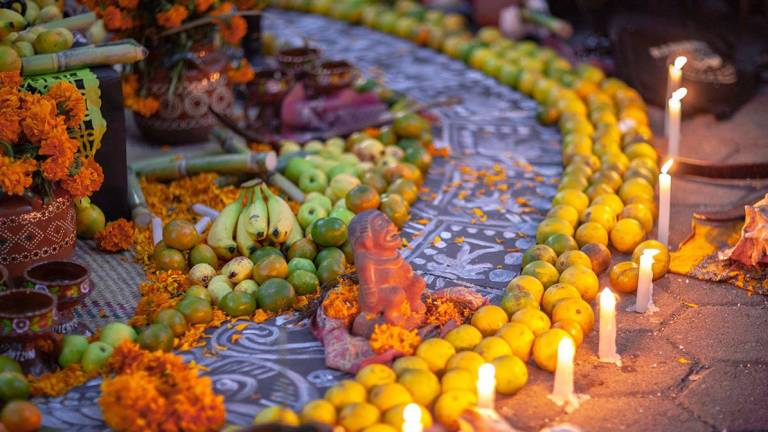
[69, 281]
[331, 76]
[4, 278]
[269, 86]
[296, 61]
[25, 314]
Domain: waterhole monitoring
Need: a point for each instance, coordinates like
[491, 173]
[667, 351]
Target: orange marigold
[39, 116]
[86, 181]
[202, 5]
[10, 79]
[128, 4]
[116, 236]
[69, 102]
[387, 337]
[59, 382]
[130, 84]
[115, 19]
[233, 29]
[143, 106]
[10, 115]
[57, 167]
[241, 74]
[341, 302]
[172, 17]
[16, 174]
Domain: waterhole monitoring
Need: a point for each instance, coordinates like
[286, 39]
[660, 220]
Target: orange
[534, 319]
[488, 319]
[591, 232]
[583, 278]
[519, 338]
[624, 276]
[574, 309]
[639, 212]
[526, 283]
[626, 235]
[545, 348]
[557, 292]
[361, 198]
[660, 260]
[545, 272]
[21, 416]
[573, 328]
[493, 347]
[180, 234]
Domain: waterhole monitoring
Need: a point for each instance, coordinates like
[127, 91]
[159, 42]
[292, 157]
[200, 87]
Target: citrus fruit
[331, 268]
[329, 231]
[90, 220]
[583, 278]
[561, 243]
[346, 392]
[304, 248]
[422, 384]
[539, 252]
[156, 337]
[611, 201]
[574, 198]
[552, 225]
[362, 197]
[660, 260]
[626, 235]
[597, 190]
[469, 360]
[511, 374]
[637, 186]
[518, 337]
[195, 310]
[570, 258]
[574, 309]
[545, 348]
[648, 203]
[405, 188]
[180, 234]
[375, 374]
[405, 363]
[536, 320]
[419, 157]
[276, 295]
[600, 214]
[277, 415]
[13, 386]
[298, 263]
[170, 259]
[436, 352]
[557, 292]
[202, 253]
[513, 301]
[591, 232]
[237, 304]
[381, 427]
[410, 125]
[572, 182]
[640, 213]
[357, 416]
[200, 292]
[173, 319]
[599, 255]
[396, 209]
[624, 276]
[268, 267]
[385, 396]
[545, 272]
[21, 416]
[8, 364]
[458, 379]
[573, 328]
[565, 212]
[492, 347]
[395, 416]
[464, 337]
[609, 177]
[376, 181]
[451, 404]
[526, 283]
[318, 411]
[488, 319]
[304, 282]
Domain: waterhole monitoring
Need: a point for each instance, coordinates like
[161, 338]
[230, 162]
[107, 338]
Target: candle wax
[607, 344]
[563, 389]
[486, 386]
[644, 299]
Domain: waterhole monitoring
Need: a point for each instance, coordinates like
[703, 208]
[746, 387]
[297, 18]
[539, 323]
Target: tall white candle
[486, 386]
[674, 108]
[562, 391]
[665, 191]
[607, 344]
[157, 230]
[644, 300]
[674, 78]
[412, 418]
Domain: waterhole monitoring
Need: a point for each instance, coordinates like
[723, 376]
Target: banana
[296, 234]
[280, 216]
[238, 269]
[245, 242]
[220, 237]
[257, 216]
[16, 20]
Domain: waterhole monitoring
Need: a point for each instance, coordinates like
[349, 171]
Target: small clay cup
[69, 281]
[331, 76]
[297, 61]
[25, 317]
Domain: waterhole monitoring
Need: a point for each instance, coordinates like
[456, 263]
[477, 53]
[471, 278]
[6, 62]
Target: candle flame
[679, 94]
[607, 299]
[680, 61]
[667, 165]
[650, 252]
[412, 413]
[565, 350]
[486, 372]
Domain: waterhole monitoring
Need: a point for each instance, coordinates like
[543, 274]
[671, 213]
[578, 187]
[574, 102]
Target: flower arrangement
[36, 150]
[171, 29]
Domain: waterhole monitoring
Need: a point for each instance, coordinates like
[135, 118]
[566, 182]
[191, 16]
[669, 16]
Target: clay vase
[33, 231]
[70, 282]
[26, 316]
[184, 117]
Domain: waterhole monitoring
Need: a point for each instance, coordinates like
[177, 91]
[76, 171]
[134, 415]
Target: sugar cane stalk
[123, 53]
[77, 22]
[139, 211]
[250, 163]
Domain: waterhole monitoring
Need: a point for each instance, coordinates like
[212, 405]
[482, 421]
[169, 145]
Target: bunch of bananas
[22, 33]
[253, 219]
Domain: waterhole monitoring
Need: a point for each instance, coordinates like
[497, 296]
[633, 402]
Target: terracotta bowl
[295, 61]
[25, 314]
[69, 281]
[269, 86]
[4, 281]
[331, 76]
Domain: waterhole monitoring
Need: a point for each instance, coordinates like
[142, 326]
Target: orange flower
[10, 79]
[16, 174]
[387, 337]
[202, 5]
[69, 102]
[128, 4]
[86, 181]
[130, 84]
[57, 167]
[242, 74]
[60, 382]
[233, 29]
[61, 150]
[172, 17]
[10, 115]
[116, 236]
[143, 106]
[39, 116]
[115, 19]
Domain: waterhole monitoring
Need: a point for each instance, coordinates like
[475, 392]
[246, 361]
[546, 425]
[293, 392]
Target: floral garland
[36, 150]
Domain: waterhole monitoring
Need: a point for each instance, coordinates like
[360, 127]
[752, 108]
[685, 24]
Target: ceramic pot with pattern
[69, 281]
[26, 316]
[185, 116]
[33, 231]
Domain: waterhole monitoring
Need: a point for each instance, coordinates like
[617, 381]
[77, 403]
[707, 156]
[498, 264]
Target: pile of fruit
[17, 413]
[21, 35]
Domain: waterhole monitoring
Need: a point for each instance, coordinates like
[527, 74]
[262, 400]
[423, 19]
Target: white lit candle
[202, 224]
[157, 230]
[674, 78]
[412, 418]
[486, 386]
[644, 300]
[665, 191]
[607, 345]
[674, 108]
[562, 391]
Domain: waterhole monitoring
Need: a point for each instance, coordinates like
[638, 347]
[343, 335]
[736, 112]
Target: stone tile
[633, 414]
[530, 409]
[667, 304]
[735, 333]
[695, 292]
[731, 396]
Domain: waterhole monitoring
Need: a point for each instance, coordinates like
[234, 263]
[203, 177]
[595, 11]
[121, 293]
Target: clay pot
[4, 280]
[331, 76]
[33, 231]
[297, 61]
[184, 117]
[69, 281]
[25, 316]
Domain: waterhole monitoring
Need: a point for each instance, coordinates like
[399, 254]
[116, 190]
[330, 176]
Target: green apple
[72, 349]
[313, 180]
[319, 198]
[247, 286]
[330, 153]
[310, 212]
[96, 356]
[321, 163]
[343, 183]
[296, 166]
[313, 146]
[370, 149]
[342, 203]
[349, 159]
[343, 214]
[113, 334]
[301, 264]
[336, 143]
[288, 147]
[219, 289]
[342, 168]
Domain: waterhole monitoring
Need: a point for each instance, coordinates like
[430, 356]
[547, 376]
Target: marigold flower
[202, 5]
[57, 167]
[145, 107]
[387, 337]
[10, 115]
[241, 74]
[116, 236]
[16, 174]
[172, 17]
[86, 181]
[39, 116]
[10, 79]
[130, 84]
[128, 4]
[60, 382]
[69, 102]
[233, 29]
[115, 20]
